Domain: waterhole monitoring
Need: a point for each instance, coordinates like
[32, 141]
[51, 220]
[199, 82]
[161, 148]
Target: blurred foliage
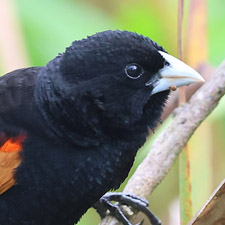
[216, 30]
[50, 26]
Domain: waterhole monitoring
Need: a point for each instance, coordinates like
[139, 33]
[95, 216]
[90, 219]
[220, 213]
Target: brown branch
[169, 143]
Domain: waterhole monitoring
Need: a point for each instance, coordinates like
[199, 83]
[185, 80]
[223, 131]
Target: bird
[70, 130]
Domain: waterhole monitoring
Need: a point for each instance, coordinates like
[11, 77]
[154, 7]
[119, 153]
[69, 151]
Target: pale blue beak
[176, 74]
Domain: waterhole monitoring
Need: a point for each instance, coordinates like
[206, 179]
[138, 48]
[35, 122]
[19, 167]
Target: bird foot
[106, 206]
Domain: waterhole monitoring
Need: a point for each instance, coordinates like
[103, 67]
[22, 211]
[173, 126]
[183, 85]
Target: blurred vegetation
[50, 26]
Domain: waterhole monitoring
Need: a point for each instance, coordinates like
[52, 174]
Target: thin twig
[180, 22]
[185, 186]
[168, 145]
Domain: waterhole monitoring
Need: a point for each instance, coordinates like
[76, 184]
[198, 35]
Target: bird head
[113, 79]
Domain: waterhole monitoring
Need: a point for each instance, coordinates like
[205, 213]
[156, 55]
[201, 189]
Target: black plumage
[84, 115]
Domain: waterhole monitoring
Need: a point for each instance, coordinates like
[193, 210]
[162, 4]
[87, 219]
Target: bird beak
[173, 75]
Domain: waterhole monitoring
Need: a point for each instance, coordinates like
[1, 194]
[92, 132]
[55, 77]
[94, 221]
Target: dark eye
[133, 71]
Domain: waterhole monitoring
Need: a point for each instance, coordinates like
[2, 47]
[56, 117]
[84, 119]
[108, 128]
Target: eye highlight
[133, 71]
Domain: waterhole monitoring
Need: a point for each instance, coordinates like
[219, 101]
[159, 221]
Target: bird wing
[16, 88]
[9, 159]
[16, 96]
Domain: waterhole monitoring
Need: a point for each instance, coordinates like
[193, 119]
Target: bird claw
[105, 204]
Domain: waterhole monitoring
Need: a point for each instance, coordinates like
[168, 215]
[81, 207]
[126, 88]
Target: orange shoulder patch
[9, 160]
[13, 144]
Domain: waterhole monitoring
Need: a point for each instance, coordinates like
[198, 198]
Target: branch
[169, 143]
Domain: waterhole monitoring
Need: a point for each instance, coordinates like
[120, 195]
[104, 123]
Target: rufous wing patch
[9, 160]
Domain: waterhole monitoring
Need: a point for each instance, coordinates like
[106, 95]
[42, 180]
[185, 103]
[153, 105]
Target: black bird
[69, 131]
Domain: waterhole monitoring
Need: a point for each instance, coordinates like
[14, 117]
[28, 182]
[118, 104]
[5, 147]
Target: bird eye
[133, 71]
